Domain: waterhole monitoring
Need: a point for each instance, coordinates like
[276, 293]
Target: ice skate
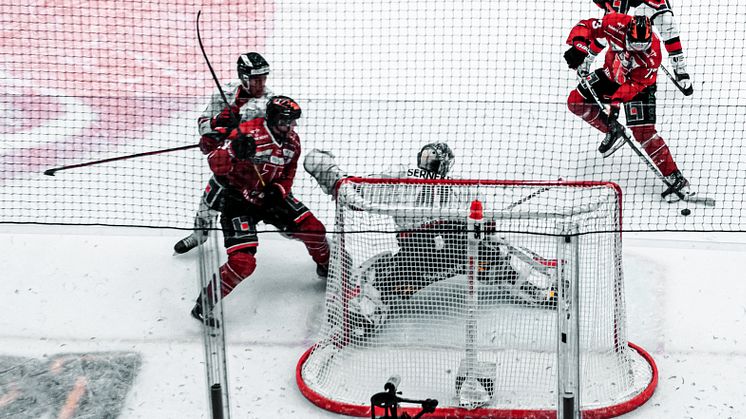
[198, 314]
[613, 140]
[190, 242]
[679, 188]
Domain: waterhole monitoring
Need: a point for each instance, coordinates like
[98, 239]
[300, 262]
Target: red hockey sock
[656, 148]
[589, 112]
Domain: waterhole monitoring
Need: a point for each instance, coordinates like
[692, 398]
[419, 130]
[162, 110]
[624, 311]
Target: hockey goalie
[423, 249]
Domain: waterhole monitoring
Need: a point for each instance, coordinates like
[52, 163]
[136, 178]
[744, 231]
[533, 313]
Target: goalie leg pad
[321, 165]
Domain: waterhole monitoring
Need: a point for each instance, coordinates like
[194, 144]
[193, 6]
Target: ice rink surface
[376, 81]
[107, 292]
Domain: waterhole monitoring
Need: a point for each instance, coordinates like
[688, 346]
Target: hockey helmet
[436, 158]
[639, 33]
[281, 110]
[251, 64]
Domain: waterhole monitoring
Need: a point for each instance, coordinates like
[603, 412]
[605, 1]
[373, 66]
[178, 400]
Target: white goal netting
[399, 299]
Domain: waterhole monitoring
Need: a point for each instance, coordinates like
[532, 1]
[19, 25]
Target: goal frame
[563, 357]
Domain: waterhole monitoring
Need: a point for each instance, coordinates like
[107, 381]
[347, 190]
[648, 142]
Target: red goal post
[546, 319]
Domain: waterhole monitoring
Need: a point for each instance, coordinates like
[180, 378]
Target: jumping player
[628, 77]
[662, 17]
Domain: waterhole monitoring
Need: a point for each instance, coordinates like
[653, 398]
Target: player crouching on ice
[627, 77]
[431, 250]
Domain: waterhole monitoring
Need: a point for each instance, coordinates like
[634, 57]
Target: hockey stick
[710, 202]
[686, 91]
[527, 197]
[530, 196]
[235, 117]
[51, 172]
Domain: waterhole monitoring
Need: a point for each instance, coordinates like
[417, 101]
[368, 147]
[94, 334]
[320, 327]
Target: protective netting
[86, 81]
[397, 294]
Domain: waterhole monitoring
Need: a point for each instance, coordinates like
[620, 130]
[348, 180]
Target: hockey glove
[212, 140]
[276, 193]
[228, 117]
[585, 68]
[220, 162]
[678, 62]
[243, 146]
[577, 53]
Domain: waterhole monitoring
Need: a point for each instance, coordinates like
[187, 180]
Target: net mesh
[397, 297]
[376, 80]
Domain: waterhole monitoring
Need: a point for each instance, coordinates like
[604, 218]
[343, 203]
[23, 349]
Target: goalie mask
[251, 64]
[436, 158]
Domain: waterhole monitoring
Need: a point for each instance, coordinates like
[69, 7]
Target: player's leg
[581, 102]
[297, 222]
[209, 209]
[641, 118]
[240, 239]
[322, 165]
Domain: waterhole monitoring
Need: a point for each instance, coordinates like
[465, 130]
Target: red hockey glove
[577, 53]
[228, 117]
[209, 142]
[220, 162]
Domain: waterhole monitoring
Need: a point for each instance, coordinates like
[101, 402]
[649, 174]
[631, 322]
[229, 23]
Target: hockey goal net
[473, 292]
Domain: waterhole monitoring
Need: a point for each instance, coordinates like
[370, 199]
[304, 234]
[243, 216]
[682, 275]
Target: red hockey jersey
[633, 70]
[273, 165]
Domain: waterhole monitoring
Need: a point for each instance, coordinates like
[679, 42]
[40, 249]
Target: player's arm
[216, 121]
[239, 146]
[279, 188]
[585, 43]
[669, 31]
[662, 16]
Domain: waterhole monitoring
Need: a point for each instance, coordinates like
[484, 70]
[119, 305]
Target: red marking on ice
[134, 63]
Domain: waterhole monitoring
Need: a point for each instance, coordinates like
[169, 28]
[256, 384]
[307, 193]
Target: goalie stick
[707, 201]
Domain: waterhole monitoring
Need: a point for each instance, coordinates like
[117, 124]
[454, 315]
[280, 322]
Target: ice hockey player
[248, 98]
[256, 167]
[628, 77]
[662, 17]
[430, 250]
